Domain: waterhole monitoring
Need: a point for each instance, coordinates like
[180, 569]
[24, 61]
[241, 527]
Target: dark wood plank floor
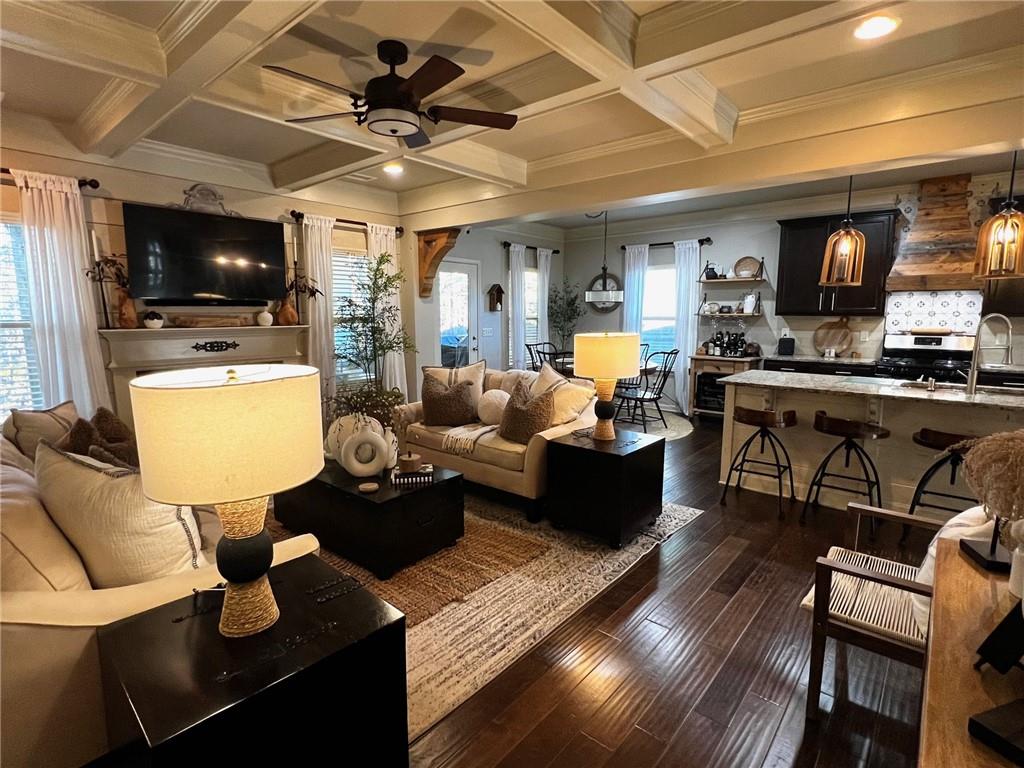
[696, 657]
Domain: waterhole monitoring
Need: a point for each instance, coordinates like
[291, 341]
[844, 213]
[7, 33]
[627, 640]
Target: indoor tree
[565, 307]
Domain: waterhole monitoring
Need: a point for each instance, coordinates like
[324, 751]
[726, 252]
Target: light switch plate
[864, 335]
[487, 333]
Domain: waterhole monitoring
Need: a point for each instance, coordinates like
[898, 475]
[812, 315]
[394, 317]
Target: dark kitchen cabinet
[801, 250]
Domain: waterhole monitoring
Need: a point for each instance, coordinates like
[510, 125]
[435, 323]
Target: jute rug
[475, 608]
[678, 426]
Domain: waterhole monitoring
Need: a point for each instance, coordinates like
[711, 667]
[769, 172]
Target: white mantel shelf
[131, 352]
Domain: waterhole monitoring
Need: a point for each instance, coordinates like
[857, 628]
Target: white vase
[264, 318]
[365, 453]
[1017, 572]
[392, 442]
[343, 428]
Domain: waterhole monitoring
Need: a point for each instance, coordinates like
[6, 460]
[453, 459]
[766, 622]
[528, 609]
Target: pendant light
[844, 253]
[1000, 254]
[605, 294]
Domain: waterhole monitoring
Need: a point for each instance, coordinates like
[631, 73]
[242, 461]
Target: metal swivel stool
[851, 431]
[765, 421]
[954, 457]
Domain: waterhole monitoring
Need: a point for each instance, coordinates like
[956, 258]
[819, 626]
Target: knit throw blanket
[461, 441]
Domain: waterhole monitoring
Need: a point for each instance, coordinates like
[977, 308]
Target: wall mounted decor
[495, 294]
[206, 199]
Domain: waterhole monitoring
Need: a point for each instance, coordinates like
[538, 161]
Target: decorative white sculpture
[365, 453]
[343, 428]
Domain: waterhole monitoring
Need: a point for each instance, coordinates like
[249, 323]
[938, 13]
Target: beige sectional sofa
[495, 462]
[51, 697]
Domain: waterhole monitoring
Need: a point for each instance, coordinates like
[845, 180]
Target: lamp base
[605, 409]
[244, 556]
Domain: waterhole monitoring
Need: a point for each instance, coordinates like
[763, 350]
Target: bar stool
[765, 421]
[953, 456]
[851, 431]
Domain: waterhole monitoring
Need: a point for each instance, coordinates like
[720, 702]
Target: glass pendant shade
[844, 257]
[1000, 253]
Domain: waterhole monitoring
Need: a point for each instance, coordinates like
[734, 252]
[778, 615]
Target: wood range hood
[938, 252]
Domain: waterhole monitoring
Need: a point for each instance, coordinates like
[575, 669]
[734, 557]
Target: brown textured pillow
[446, 406]
[111, 428]
[525, 416]
[84, 435]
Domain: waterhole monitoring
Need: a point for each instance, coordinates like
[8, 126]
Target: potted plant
[300, 285]
[371, 329]
[565, 307]
[113, 270]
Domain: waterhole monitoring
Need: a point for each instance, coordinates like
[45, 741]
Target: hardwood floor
[696, 657]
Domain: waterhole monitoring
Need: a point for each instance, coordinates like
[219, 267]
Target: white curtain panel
[317, 232]
[633, 285]
[543, 286]
[687, 302]
[380, 239]
[517, 303]
[63, 308]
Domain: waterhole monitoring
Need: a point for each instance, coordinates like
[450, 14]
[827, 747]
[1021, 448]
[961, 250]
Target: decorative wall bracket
[432, 246]
[214, 346]
[206, 199]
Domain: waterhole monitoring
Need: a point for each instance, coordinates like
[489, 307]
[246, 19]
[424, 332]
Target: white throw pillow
[492, 406]
[26, 428]
[473, 373]
[970, 524]
[122, 537]
[570, 399]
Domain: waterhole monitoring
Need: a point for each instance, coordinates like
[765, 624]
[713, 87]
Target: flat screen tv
[188, 258]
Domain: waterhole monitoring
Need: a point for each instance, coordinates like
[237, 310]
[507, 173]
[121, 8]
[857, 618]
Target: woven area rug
[678, 426]
[511, 583]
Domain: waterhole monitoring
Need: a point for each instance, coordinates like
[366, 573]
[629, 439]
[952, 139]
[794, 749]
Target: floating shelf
[726, 280]
[727, 315]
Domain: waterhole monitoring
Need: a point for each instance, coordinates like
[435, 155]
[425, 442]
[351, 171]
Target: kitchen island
[902, 407]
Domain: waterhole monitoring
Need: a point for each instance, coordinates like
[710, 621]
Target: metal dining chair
[635, 403]
[541, 352]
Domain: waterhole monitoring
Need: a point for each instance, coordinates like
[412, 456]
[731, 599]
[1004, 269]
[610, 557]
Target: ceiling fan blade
[313, 81]
[473, 117]
[318, 118]
[435, 73]
[416, 140]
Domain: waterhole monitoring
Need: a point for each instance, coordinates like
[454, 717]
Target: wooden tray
[835, 334]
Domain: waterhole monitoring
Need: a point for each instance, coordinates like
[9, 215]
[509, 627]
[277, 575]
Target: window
[532, 318]
[20, 384]
[348, 270]
[659, 322]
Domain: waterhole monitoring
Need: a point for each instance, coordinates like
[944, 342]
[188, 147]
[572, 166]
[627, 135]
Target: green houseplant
[565, 307]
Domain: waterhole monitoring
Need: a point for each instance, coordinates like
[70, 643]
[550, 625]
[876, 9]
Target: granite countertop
[871, 387]
[725, 357]
[991, 368]
[823, 359]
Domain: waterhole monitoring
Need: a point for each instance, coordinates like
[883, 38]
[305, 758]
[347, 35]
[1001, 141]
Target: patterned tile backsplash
[957, 310]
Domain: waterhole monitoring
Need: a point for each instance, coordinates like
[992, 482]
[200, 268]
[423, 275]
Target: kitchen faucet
[972, 377]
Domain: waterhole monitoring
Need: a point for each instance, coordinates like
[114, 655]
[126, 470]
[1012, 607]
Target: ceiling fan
[391, 104]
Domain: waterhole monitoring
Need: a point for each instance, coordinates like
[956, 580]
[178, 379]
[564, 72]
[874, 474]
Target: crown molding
[108, 106]
[177, 154]
[598, 151]
[675, 17]
[180, 22]
[972, 65]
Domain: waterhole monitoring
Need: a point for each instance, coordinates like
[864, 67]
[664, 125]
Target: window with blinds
[532, 326]
[20, 385]
[348, 270]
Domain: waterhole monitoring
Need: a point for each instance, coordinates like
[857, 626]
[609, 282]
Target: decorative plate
[746, 267]
[712, 307]
[614, 284]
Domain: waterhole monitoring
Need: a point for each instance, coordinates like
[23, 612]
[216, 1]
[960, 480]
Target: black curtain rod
[298, 216]
[506, 244]
[701, 241]
[90, 183]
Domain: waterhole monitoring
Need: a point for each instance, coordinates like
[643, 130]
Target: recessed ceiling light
[875, 27]
[393, 169]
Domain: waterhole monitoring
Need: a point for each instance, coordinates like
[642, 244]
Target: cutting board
[835, 334]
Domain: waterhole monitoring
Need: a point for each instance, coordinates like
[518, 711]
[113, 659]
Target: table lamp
[605, 358]
[231, 437]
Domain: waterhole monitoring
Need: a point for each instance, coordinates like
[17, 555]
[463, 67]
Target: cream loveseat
[51, 696]
[494, 462]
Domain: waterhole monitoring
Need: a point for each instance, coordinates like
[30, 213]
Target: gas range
[943, 358]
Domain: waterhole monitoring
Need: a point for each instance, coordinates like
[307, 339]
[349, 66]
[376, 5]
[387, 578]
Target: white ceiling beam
[470, 158]
[322, 163]
[577, 31]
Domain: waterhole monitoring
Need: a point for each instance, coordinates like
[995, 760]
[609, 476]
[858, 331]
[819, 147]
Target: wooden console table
[968, 603]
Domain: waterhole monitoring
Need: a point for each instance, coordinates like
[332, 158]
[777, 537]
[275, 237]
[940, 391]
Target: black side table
[328, 679]
[611, 489]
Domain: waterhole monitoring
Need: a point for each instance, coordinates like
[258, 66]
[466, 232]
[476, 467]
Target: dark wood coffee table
[611, 489]
[383, 531]
[328, 675]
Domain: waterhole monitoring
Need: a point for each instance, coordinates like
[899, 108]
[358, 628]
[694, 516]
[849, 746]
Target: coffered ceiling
[633, 101]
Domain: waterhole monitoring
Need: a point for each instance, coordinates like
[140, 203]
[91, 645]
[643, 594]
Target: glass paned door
[458, 299]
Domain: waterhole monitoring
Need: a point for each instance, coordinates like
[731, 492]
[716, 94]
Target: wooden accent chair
[866, 601]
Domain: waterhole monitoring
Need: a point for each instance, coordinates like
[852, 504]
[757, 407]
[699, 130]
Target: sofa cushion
[26, 428]
[474, 374]
[570, 399]
[450, 406]
[10, 456]
[514, 376]
[490, 449]
[34, 555]
[122, 537]
[525, 416]
[492, 405]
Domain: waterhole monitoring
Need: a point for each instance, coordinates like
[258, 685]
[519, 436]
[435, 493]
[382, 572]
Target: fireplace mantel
[134, 352]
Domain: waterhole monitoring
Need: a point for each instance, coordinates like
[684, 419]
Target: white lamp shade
[606, 355]
[227, 433]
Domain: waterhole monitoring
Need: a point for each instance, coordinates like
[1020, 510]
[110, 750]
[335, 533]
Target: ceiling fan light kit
[391, 103]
